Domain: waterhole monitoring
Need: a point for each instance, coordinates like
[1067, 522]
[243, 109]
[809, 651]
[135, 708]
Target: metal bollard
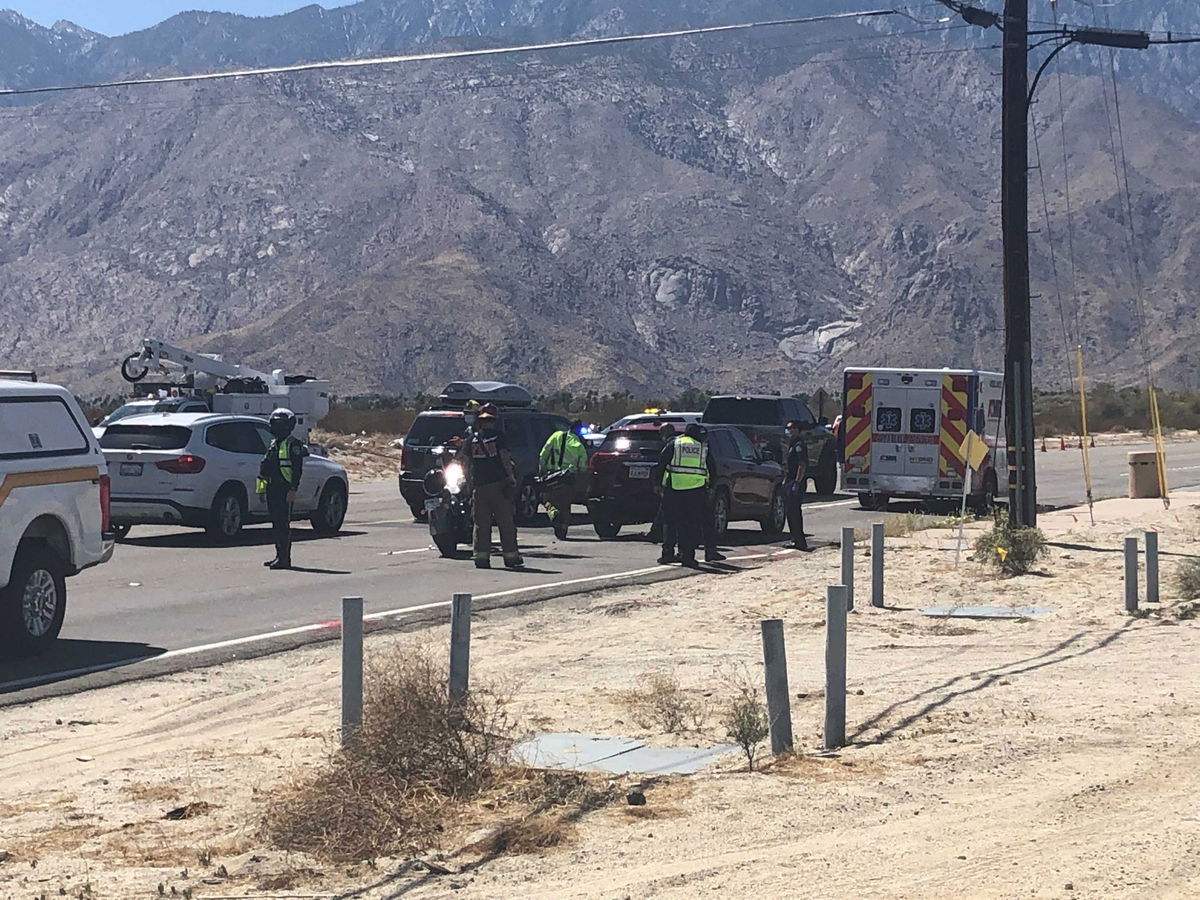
[1131, 574]
[848, 564]
[352, 666]
[779, 707]
[1151, 566]
[835, 667]
[460, 646]
[877, 564]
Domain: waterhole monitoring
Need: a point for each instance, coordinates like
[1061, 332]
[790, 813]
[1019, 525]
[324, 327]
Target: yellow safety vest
[285, 467]
[285, 461]
[688, 470]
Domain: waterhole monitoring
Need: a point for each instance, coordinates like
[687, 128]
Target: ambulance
[903, 430]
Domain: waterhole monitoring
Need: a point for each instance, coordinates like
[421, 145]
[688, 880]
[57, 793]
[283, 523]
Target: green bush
[1014, 551]
[1187, 580]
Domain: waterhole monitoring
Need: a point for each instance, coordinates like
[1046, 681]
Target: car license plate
[639, 472]
[431, 505]
[131, 470]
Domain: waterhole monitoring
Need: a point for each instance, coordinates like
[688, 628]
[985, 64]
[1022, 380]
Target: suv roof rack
[19, 374]
[458, 393]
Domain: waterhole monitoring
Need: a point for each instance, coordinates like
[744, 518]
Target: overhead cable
[452, 54]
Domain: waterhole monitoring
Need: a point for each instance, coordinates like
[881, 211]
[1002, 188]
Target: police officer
[493, 481]
[278, 478]
[685, 479]
[795, 471]
[660, 531]
[563, 459]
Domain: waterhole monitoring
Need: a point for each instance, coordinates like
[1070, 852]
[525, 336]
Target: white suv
[53, 509]
[199, 469]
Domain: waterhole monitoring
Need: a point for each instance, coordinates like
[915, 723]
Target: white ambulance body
[902, 430]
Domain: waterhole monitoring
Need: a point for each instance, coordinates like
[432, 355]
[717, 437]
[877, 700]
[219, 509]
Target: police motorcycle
[448, 501]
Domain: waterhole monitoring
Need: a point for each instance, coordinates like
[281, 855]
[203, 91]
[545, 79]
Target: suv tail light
[184, 465]
[105, 502]
[404, 458]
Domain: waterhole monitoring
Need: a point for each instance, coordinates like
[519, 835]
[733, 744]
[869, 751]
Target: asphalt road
[168, 591]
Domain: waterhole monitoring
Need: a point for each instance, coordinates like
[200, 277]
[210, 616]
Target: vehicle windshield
[626, 441]
[431, 431]
[146, 437]
[735, 411]
[124, 412]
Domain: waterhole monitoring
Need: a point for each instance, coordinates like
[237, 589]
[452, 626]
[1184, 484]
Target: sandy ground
[1049, 757]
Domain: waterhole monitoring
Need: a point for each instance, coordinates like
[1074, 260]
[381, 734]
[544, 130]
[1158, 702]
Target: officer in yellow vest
[684, 465]
[278, 478]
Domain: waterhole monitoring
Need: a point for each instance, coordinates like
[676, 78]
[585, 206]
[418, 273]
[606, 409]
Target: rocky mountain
[746, 213]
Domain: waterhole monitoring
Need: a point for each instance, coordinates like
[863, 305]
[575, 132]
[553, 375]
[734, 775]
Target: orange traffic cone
[1043, 445]
[1093, 444]
[1062, 443]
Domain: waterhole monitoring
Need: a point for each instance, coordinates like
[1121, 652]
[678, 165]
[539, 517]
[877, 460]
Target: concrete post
[848, 564]
[1131, 574]
[460, 646]
[1151, 566]
[835, 667]
[352, 666]
[779, 707]
[877, 564]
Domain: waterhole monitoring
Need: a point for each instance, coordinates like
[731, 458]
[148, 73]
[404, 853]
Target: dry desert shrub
[1187, 580]
[745, 716]
[661, 703]
[391, 787]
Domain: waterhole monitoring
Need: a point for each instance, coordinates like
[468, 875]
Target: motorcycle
[448, 504]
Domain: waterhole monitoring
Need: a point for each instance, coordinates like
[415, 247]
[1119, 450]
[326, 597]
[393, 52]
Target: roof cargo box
[458, 393]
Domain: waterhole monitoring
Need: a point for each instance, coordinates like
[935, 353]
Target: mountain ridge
[741, 214]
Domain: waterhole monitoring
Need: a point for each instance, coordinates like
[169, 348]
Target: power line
[499, 81]
[452, 54]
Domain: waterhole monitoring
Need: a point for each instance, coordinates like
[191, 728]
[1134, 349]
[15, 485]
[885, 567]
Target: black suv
[745, 485]
[526, 431]
[764, 418]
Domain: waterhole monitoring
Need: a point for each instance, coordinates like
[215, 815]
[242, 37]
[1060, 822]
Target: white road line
[808, 506]
[322, 626]
[402, 552]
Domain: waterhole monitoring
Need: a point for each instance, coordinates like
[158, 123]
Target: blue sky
[120, 16]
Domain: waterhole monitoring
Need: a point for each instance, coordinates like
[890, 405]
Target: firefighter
[684, 463]
[278, 478]
[493, 481]
[563, 466]
[795, 471]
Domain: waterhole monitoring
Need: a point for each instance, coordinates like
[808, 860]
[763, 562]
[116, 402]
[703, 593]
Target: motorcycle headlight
[455, 477]
[434, 482]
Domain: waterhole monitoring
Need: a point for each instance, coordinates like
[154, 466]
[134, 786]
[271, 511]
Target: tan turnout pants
[491, 505]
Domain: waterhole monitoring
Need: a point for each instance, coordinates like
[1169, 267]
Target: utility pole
[1018, 339]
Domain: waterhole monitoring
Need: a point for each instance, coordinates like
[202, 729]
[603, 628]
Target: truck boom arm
[164, 356]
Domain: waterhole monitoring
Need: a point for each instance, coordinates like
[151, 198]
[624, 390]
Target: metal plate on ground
[986, 612]
[615, 755]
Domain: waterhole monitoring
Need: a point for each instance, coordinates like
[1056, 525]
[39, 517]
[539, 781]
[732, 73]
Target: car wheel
[875, 502]
[330, 513]
[34, 603]
[606, 530]
[825, 481]
[776, 519]
[527, 503]
[228, 515]
[720, 513]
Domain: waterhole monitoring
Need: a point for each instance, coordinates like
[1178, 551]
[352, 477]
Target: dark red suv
[746, 486]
